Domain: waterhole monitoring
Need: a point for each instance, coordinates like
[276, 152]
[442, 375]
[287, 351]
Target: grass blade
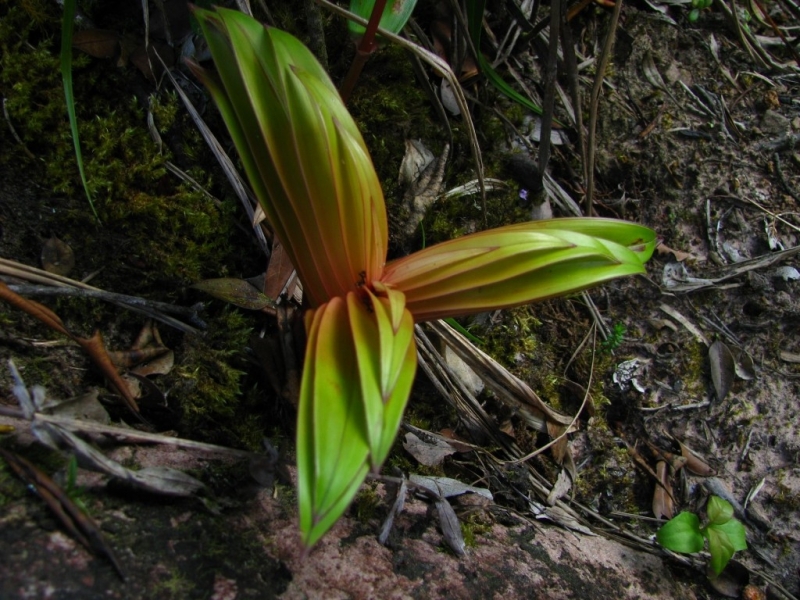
[66, 74]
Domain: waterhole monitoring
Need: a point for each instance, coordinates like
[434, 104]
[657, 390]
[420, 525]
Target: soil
[706, 156]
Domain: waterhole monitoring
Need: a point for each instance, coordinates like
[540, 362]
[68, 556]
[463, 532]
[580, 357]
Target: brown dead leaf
[147, 59]
[96, 349]
[663, 504]
[57, 257]
[722, 368]
[279, 271]
[695, 464]
[93, 346]
[34, 309]
[100, 43]
[678, 255]
[80, 525]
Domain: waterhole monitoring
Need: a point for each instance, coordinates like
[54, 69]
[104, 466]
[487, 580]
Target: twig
[548, 105]
[776, 158]
[601, 67]
[22, 271]
[124, 434]
[34, 291]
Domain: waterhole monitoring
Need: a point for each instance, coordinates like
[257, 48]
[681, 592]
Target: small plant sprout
[311, 171]
[697, 6]
[725, 534]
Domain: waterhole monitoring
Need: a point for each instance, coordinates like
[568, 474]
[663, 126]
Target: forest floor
[697, 138]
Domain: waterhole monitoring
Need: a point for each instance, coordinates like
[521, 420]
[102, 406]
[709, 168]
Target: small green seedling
[697, 6]
[615, 338]
[725, 534]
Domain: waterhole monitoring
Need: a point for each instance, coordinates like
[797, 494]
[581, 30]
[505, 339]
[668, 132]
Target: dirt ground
[696, 139]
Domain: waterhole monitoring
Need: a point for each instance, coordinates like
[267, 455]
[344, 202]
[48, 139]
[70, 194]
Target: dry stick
[549, 82]
[571, 68]
[778, 32]
[125, 434]
[366, 47]
[22, 271]
[602, 64]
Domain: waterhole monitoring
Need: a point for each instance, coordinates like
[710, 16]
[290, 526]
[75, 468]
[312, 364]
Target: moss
[367, 502]
[471, 527]
[206, 383]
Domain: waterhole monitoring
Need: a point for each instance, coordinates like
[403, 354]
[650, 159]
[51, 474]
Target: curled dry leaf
[562, 485]
[678, 255]
[663, 505]
[745, 369]
[451, 528]
[723, 368]
[397, 508]
[93, 346]
[429, 453]
[447, 487]
[79, 524]
[694, 463]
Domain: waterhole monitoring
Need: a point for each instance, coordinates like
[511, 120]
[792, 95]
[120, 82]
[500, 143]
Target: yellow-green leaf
[387, 360]
[302, 151]
[517, 264]
[332, 445]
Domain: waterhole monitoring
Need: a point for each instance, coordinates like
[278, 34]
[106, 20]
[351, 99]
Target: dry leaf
[100, 43]
[447, 487]
[451, 528]
[428, 453]
[158, 480]
[663, 506]
[57, 257]
[93, 346]
[694, 463]
[80, 525]
[279, 272]
[562, 485]
[745, 369]
[96, 349]
[722, 368]
[236, 291]
[397, 508]
[85, 407]
[679, 255]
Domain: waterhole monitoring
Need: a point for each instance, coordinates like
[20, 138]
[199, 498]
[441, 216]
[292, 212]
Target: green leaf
[518, 264]
[359, 369]
[332, 442]
[395, 15]
[719, 511]
[475, 10]
[735, 532]
[66, 74]
[720, 547]
[681, 534]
